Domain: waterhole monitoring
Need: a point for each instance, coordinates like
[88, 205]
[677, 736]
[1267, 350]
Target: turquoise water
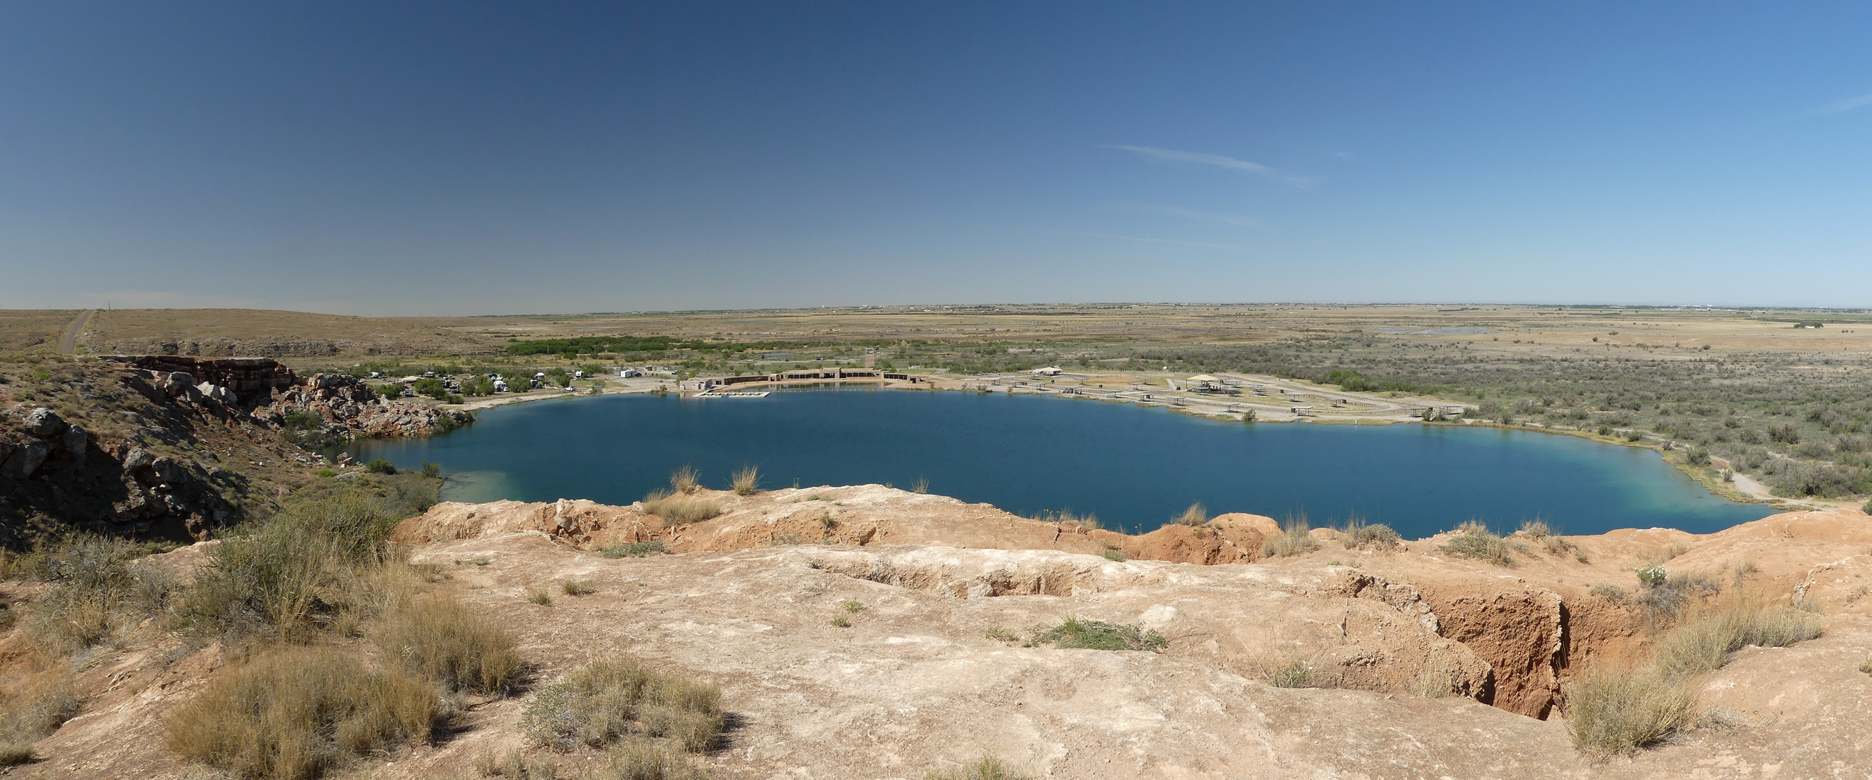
[1135, 467]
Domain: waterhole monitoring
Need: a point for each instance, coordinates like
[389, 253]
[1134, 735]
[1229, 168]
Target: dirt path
[68, 344]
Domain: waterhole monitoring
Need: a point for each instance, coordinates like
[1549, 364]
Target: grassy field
[1743, 390]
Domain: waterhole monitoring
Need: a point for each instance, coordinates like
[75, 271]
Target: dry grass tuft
[94, 593]
[516, 766]
[1704, 643]
[1535, 530]
[623, 699]
[437, 638]
[1358, 535]
[635, 550]
[988, 768]
[33, 707]
[679, 508]
[1475, 540]
[684, 480]
[747, 481]
[577, 588]
[1293, 540]
[297, 572]
[1195, 515]
[297, 712]
[1614, 710]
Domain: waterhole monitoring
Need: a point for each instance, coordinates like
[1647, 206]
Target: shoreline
[1743, 490]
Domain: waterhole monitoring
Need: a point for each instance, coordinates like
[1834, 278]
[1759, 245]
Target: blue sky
[462, 158]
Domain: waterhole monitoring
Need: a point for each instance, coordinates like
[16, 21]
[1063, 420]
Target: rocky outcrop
[170, 446]
[345, 406]
[247, 380]
[349, 409]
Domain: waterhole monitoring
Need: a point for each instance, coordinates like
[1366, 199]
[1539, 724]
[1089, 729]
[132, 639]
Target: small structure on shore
[1204, 383]
[1048, 371]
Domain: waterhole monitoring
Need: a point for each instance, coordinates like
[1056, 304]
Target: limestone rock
[25, 461]
[42, 422]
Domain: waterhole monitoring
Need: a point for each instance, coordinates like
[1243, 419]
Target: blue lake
[1134, 467]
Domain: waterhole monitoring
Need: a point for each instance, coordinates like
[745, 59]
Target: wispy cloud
[1179, 211]
[1219, 161]
[1843, 106]
[1146, 240]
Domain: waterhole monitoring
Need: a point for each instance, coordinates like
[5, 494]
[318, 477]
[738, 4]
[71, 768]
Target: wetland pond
[1134, 467]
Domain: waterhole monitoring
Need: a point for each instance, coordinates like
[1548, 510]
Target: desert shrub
[431, 470]
[297, 712]
[988, 768]
[1064, 516]
[684, 480]
[1652, 576]
[1704, 643]
[1612, 593]
[1115, 555]
[623, 699]
[515, 765]
[94, 592]
[634, 550]
[679, 508]
[380, 466]
[747, 481]
[1621, 709]
[1293, 540]
[1358, 535]
[1535, 529]
[437, 638]
[295, 571]
[648, 761]
[1475, 540]
[1195, 515]
[1614, 710]
[1293, 675]
[1076, 634]
[577, 588]
[31, 708]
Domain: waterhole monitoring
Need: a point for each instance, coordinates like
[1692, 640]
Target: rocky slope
[1409, 646]
[171, 447]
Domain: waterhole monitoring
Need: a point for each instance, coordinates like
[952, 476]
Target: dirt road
[68, 344]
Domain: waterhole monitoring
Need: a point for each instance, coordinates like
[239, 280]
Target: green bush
[1359, 534]
[1076, 634]
[634, 550]
[380, 466]
[293, 572]
[1475, 540]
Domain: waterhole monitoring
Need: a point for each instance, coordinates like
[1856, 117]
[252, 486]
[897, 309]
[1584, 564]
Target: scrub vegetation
[337, 651]
[1295, 538]
[1078, 634]
[1616, 709]
[649, 721]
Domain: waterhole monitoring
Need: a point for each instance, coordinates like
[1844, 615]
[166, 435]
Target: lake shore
[1269, 400]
